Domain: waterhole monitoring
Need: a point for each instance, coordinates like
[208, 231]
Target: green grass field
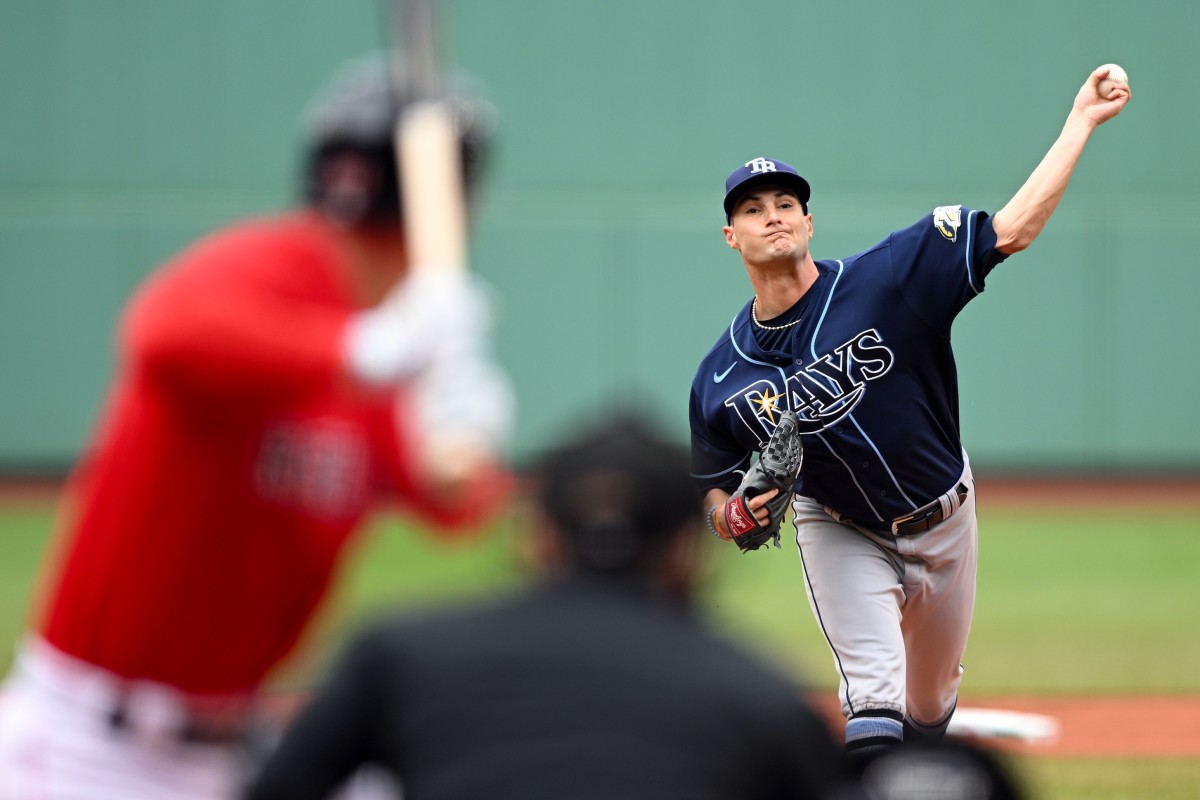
[1069, 603]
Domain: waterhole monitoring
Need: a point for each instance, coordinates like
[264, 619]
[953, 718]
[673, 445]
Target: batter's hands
[465, 409]
[431, 314]
[1090, 104]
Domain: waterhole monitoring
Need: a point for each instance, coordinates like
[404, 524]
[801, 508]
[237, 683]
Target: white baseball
[1115, 75]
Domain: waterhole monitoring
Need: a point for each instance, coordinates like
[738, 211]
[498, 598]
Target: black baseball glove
[777, 468]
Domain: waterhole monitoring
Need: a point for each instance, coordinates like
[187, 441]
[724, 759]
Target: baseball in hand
[1115, 75]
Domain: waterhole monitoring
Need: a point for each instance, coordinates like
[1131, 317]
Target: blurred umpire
[274, 383]
[597, 681]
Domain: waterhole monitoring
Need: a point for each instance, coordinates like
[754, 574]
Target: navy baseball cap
[763, 170]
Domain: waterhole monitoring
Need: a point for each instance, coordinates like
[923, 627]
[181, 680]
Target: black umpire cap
[617, 493]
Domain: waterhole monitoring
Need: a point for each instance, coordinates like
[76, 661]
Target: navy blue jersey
[869, 370]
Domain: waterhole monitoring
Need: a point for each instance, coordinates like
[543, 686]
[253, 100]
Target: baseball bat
[434, 203]
[428, 152]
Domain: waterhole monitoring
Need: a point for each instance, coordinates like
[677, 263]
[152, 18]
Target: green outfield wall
[127, 128]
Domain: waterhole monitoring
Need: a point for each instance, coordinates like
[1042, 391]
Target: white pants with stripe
[895, 610]
[57, 741]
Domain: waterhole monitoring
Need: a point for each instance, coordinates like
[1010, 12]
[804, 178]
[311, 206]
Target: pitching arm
[1026, 214]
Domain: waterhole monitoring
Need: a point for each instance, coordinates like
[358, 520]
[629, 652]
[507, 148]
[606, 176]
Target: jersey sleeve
[223, 321]
[718, 462]
[942, 262]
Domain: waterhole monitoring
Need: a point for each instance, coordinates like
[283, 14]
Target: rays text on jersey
[821, 393]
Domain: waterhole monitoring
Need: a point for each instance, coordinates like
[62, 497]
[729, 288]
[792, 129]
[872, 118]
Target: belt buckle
[915, 517]
[145, 712]
[153, 715]
[928, 513]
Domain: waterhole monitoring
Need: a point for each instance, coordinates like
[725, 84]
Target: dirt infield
[1091, 727]
[1157, 727]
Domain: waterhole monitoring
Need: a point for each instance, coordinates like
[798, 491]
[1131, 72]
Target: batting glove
[426, 316]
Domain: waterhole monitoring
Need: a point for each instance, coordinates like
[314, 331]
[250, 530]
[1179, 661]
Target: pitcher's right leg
[854, 588]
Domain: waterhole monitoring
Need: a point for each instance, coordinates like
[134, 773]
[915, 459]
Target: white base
[993, 723]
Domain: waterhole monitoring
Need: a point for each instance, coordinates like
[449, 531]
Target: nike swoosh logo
[720, 376]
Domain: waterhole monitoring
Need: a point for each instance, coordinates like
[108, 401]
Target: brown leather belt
[918, 521]
[926, 516]
[210, 730]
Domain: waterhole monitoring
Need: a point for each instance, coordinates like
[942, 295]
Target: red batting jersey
[233, 462]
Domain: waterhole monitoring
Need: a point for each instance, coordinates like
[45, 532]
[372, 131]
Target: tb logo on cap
[760, 165]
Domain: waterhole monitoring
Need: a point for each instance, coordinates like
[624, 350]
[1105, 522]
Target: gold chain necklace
[754, 316]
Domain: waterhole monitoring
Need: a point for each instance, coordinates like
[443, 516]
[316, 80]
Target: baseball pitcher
[853, 358]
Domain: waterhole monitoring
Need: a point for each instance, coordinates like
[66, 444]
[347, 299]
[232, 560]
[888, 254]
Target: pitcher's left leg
[940, 590]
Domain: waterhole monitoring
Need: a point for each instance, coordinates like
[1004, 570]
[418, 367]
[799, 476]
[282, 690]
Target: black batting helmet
[350, 172]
